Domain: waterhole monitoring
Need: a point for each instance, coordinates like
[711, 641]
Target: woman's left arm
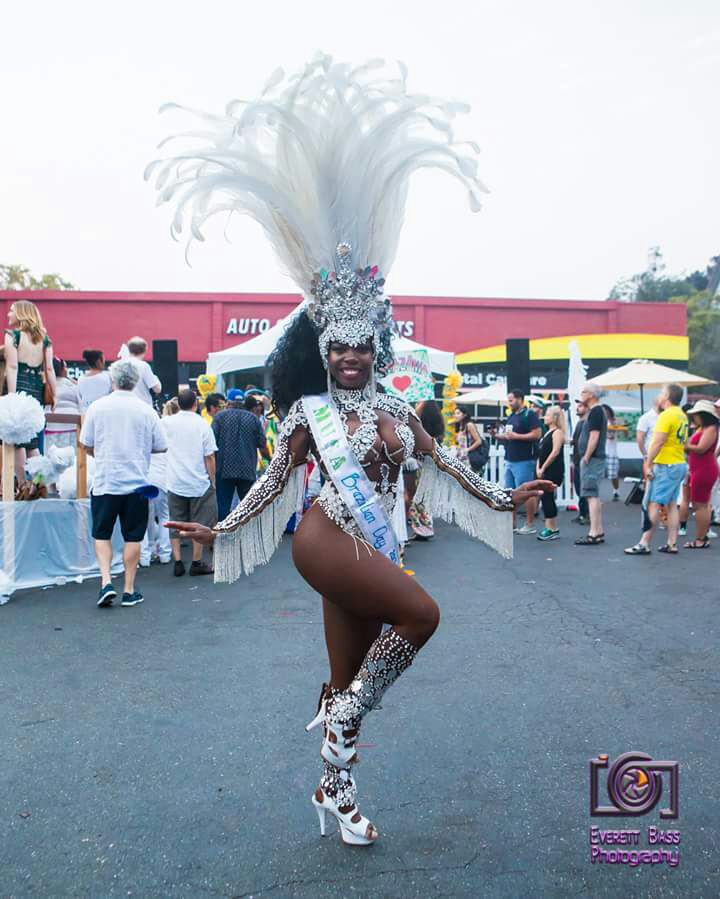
[707, 441]
[50, 370]
[11, 363]
[498, 498]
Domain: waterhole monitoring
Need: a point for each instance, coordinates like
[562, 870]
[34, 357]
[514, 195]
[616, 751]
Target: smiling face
[350, 366]
[12, 317]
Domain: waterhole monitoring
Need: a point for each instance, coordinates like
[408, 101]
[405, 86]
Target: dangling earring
[372, 385]
[329, 382]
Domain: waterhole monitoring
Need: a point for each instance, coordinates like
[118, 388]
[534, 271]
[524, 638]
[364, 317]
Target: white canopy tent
[493, 394]
[254, 352]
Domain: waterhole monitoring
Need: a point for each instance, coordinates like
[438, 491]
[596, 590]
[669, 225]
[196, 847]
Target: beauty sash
[353, 485]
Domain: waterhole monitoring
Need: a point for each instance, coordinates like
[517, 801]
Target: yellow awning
[592, 346]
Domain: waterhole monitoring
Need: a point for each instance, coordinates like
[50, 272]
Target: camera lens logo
[635, 785]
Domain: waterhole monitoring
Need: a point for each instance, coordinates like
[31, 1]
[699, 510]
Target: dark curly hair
[296, 367]
[295, 364]
[432, 420]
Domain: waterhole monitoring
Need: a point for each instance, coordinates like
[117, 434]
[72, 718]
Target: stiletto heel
[354, 833]
[325, 692]
[318, 719]
[322, 812]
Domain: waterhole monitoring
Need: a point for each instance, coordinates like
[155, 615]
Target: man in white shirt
[646, 426]
[121, 432]
[643, 437]
[190, 477]
[148, 382]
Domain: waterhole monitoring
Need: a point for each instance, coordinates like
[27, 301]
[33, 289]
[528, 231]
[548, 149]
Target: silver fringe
[253, 543]
[443, 496]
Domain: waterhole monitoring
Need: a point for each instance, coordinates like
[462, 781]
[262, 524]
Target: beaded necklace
[361, 403]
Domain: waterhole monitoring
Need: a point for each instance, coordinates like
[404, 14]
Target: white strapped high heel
[354, 833]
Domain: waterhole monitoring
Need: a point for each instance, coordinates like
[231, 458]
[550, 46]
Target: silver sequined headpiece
[349, 307]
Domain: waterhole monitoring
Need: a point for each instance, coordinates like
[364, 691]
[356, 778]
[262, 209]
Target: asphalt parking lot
[159, 751]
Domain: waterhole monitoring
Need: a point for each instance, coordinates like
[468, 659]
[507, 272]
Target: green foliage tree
[18, 277]
[703, 311]
[644, 288]
[698, 292]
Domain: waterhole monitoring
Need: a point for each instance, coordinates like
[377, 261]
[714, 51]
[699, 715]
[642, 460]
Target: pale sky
[598, 123]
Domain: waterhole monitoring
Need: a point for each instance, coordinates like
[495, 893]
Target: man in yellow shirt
[665, 469]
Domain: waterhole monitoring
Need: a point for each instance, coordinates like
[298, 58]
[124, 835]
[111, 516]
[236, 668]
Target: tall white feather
[321, 156]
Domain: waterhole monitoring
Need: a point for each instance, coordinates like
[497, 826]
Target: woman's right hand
[197, 532]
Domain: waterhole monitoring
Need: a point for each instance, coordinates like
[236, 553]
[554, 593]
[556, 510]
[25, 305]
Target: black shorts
[132, 510]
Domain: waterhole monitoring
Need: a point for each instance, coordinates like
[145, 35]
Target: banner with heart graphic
[410, 377]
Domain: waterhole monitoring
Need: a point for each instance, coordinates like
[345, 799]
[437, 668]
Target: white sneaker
[711, 533]
[525, 529]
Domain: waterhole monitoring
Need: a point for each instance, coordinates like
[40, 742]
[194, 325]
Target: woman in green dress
[28, 351]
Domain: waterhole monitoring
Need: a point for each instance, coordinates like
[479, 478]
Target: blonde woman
[551, 467]
[28, 354]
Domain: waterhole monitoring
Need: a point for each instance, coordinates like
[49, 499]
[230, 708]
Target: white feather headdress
[322, 158]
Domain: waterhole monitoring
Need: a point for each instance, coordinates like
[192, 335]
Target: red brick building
[607, 332]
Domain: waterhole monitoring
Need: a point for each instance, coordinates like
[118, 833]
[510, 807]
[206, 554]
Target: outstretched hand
[197, 532]
[532, 488]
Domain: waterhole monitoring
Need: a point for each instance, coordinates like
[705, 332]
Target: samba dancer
[322, 161]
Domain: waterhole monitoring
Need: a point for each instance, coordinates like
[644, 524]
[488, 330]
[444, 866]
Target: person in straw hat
[703, 468]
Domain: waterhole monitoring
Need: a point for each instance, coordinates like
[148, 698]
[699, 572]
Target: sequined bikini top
[366, 442]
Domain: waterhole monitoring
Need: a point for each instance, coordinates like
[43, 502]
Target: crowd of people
[148, 467]
[679, 449]
[184, 466]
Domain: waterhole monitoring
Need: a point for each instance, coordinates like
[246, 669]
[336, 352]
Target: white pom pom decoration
[21, 418]
[67, 482]
[40, 465]
[61, 456]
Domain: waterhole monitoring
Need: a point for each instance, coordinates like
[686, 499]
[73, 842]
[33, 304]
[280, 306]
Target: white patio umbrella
[645, 373]
[577, 376]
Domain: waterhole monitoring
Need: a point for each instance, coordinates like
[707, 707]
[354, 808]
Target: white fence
[495, 471]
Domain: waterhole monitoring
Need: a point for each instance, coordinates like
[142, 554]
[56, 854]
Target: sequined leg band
[385, 661]
[339, 784]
